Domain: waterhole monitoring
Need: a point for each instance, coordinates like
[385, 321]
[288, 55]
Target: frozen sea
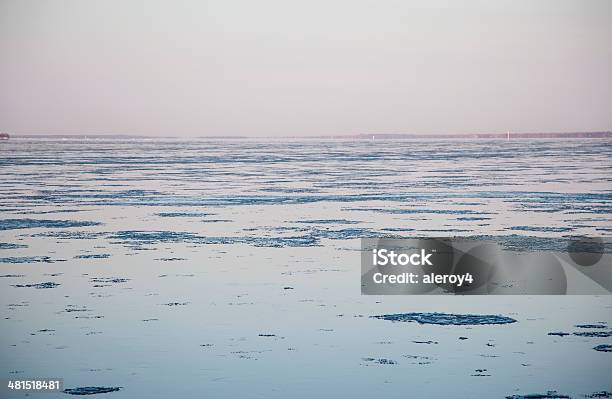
[231, 268]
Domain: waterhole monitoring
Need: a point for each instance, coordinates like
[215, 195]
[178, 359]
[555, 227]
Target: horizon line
[366, 136]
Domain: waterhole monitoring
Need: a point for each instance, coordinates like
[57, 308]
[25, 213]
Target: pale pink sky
[310, 67]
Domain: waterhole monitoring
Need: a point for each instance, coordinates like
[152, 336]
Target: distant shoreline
[381, 136]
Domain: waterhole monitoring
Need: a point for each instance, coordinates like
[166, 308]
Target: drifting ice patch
[591, 325]
[28, 259]
[547, 395]
[182, 214]
[600, 394]
[13, 224]
[115, 280]
[93, 256]
[541, 229]
[90, 390]
[9, 245]
[594, 334]
[158, 237]
[329, 221]
[378, 361]
[39, 286]
[176, 303]
[447, 319]
[559, 333]
[603, 348]
[70, 235]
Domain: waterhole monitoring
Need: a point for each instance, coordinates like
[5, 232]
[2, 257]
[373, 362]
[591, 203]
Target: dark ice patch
[175, 303]
[594, 334]
[90, 390]
[600, 394]
[114, 280]
[70, 235]
[379, 361]
[541, 229]
[93, 256]
[183, 214]
[522, 243]
[9, 245]
[157, 237]
[421, 211]
[13, 224]
[559, 333]
[48, 284]
[329, 221]
[447, 318]
[603, 348]
[29, 259]
[590, 325]
[547, 395]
